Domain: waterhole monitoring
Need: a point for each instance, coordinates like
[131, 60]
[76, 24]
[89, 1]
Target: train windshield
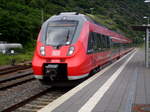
[60, 32]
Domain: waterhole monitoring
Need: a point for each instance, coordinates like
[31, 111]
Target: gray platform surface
[131, 86]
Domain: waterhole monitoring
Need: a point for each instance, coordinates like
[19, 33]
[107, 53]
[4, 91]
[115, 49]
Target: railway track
[11, 76]
[11, 69]
[37, 101]
[15, 80]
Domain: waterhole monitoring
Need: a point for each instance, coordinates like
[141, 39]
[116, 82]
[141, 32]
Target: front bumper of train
[73, 72]
[40, 77]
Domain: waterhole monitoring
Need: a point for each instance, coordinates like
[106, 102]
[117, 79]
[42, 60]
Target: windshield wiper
[67, 42]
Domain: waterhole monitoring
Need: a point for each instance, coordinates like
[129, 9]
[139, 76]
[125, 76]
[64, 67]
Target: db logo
[56, 53]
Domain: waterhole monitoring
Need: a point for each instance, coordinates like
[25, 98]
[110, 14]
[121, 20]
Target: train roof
[83, 18]
[74, 16]
[69, 16]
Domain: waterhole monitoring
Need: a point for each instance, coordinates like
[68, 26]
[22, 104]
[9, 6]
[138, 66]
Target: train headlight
[70, 51]
[42, 50]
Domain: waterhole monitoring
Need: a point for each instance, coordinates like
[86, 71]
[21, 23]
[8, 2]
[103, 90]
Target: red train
[71, 45]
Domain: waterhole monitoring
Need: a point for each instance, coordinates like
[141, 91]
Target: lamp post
[145, 17]
[147, 1]
[147, 40]
[91, 10]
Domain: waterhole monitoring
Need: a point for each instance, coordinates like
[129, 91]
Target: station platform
[123, 86]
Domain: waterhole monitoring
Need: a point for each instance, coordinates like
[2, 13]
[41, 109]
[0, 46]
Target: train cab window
[90, 43]
[60, 32]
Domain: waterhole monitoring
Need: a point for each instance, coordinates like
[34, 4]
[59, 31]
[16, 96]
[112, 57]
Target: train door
[108, 47]
[111, 48]
[115, 49]
[90, 49]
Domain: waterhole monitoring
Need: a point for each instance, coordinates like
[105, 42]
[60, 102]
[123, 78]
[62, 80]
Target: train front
[58, 54]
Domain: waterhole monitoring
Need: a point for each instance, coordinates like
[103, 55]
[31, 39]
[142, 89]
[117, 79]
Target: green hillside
[20, 20]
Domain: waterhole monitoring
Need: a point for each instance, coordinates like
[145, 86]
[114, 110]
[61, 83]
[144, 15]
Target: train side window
[116, 45]
[108, 42]
[99, 42]
[103, 42]
[95, 44]
[90, 43]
